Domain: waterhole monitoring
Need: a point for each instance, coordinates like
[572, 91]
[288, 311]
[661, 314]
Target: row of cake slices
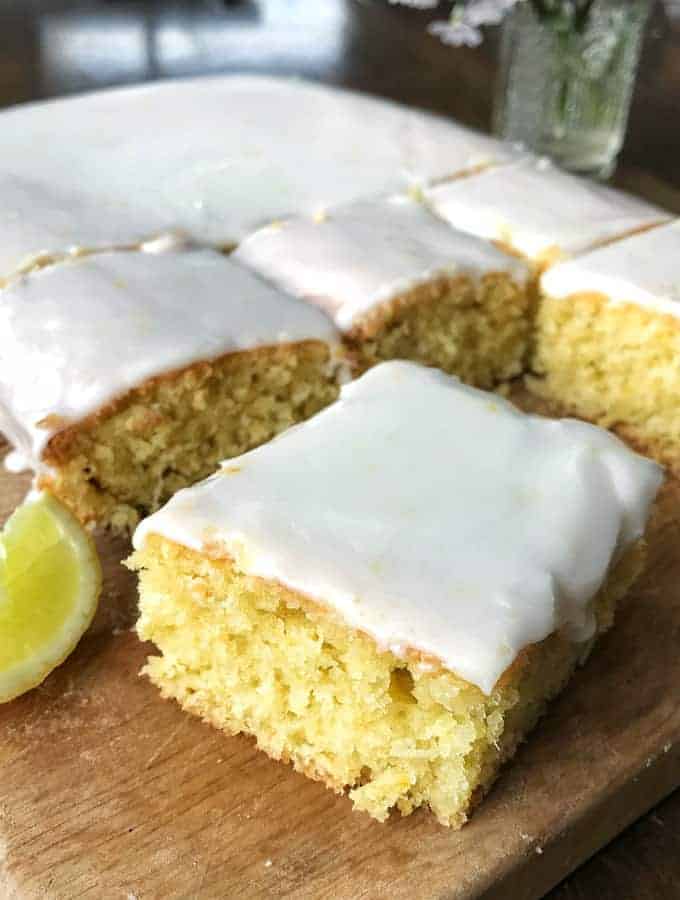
[127, 375]
[574, 284]
[429, 563]
[184, 164]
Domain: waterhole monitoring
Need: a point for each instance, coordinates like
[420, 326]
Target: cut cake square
[539, 212]
[607, 339]
[125, 376]
[387, 595]
[401, 284]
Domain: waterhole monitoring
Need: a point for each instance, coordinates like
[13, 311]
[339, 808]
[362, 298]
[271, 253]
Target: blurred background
[50, 48]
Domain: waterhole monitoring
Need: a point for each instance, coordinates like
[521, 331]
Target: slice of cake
[211, 157]
[387, 595]
[607, 340]
[401, 284]
[532, 208]
[125, 376]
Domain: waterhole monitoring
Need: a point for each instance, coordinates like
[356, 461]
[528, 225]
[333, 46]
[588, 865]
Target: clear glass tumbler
[565, 82]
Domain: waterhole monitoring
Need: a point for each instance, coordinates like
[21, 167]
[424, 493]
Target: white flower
[462, 28]
[456, 32]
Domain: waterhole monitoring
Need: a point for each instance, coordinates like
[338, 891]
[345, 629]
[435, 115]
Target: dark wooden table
[52, 48]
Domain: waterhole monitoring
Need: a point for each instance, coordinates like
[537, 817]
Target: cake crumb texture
[477, 329]
[615, 364]
[249, 655]
[125, 462]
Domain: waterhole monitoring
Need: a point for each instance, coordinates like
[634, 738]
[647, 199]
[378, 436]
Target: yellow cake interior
[477, 329]
[251, 656]
[127, 461]
[615, 364]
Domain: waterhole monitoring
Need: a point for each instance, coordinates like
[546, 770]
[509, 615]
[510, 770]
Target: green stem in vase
[566, 78]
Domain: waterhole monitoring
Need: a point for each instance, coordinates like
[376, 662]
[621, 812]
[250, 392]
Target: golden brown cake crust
[60, 447]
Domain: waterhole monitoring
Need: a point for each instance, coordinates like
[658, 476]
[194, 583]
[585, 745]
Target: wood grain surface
[109, 791]
[66, 834]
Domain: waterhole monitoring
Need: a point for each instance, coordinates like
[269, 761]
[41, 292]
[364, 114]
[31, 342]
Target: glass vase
[565, 80]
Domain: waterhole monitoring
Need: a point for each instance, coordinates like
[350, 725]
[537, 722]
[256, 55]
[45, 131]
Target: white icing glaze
[40, 222]
[213, 157]
[430, 515]
[642, 269]
[536, 209]
[76, 335]
[363, 254]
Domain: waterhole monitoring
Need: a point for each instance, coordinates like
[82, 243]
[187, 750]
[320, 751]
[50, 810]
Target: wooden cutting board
[106, 791]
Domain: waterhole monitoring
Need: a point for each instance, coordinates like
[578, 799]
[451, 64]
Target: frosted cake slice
[401, 284]
[388, 595]
[214, 158]
[532, 208]
[125, 376]
[607, 339]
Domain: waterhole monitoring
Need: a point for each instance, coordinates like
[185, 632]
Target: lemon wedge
[50, 580]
